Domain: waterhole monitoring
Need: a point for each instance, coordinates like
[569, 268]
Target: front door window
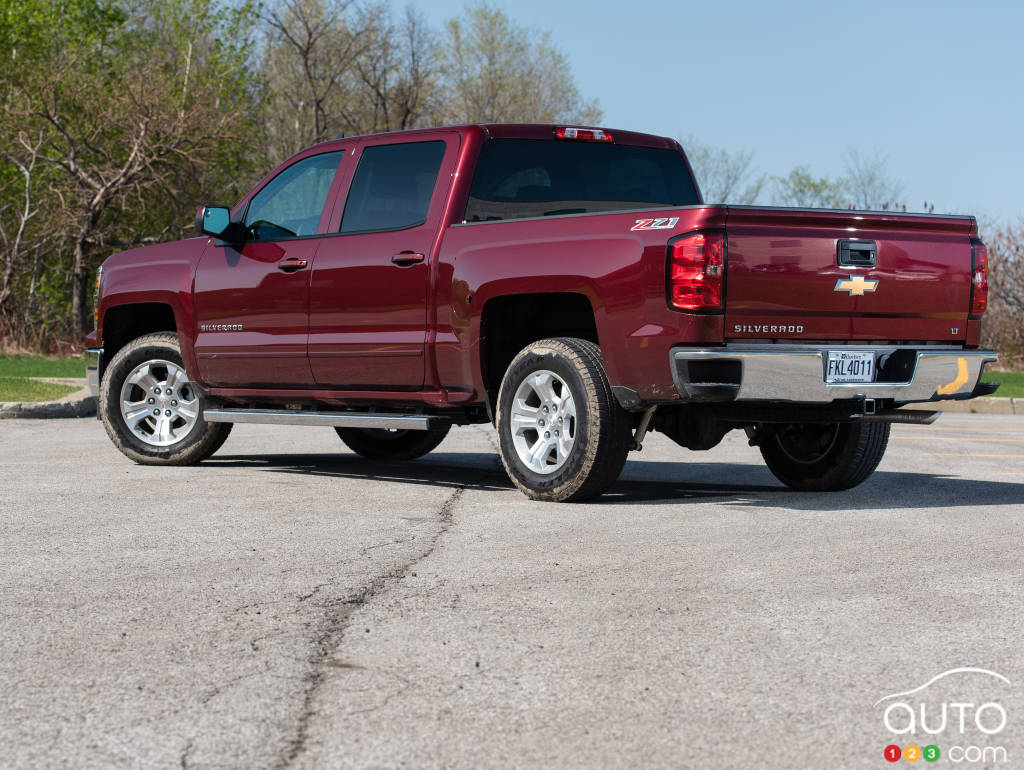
[290, 205]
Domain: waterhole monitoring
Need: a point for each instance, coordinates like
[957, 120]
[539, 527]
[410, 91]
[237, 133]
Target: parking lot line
[963, 454]
[962, 438]
[952, 428]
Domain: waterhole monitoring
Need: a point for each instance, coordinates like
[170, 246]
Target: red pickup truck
[565, 284]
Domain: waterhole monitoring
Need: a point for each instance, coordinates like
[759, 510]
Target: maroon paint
[367, 314]
[782, 270]
[161, 274]
[248, 288]
[380, 332]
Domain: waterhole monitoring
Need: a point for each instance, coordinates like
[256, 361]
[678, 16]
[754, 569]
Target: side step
[328, 419]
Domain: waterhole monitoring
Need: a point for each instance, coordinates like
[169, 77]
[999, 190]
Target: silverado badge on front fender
[856, 285]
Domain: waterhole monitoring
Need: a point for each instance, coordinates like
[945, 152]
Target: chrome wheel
[543, 421]
[158, 404]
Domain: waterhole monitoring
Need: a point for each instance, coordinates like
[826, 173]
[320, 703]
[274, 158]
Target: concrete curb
[81, 403]
[985, 405]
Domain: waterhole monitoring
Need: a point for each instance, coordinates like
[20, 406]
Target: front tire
[824, 457]
[562, 436]
[379, 444]
[151, 410]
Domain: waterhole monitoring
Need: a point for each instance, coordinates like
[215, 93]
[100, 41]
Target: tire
[825, 457]
[178, 436]
[377, 444]
[578, 458]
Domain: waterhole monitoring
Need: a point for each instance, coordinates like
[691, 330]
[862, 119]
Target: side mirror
[216, 221]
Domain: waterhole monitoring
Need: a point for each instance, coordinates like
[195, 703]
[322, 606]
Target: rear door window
[392, 187]
[519, 178]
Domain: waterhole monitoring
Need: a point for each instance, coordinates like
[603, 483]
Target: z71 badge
[655, 224]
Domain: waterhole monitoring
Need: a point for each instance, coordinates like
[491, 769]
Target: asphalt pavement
[288, 604]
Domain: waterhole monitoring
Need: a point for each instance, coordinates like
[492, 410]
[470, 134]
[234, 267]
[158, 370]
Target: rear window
[519, 178]
[392, 187]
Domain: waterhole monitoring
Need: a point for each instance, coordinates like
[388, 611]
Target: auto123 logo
[956, 716]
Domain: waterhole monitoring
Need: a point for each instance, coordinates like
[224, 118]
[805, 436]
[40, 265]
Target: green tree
[395, 84]
[497, 71]
[125, 113]
[310, 53]
[118, 117]
[336, 66]
[868, 183]
[723, 176]
[801, 188]
[1002, 327]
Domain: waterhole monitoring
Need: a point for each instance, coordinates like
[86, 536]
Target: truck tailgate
[784, 279]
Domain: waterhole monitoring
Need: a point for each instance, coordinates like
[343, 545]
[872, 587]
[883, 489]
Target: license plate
[850, 366]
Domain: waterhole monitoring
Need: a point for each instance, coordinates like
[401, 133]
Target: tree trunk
[81, 323]
[5, 287]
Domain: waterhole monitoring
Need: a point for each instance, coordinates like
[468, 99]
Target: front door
[368, 296]
[252, 302]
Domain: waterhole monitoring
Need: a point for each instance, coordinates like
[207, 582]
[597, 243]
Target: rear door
[368, 297]
[252, 302]
[828, 275]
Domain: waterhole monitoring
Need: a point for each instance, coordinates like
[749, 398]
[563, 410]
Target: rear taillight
[979, 278]
[696, 271]
[583, 134]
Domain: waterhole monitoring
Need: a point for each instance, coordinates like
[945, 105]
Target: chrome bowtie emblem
[855, 285]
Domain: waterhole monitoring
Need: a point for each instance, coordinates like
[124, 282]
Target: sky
[935, 88]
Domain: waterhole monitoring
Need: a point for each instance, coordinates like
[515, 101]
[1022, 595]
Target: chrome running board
[371, 420]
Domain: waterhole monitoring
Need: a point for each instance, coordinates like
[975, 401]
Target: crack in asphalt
[339, 613]
[219, 689]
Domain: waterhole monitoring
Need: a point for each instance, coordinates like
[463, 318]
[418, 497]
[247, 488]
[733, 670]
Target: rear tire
[562, 435]
[378, 444]
[824, 457]
[151, 411]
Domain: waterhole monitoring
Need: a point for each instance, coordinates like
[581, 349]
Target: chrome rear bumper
[796, 373]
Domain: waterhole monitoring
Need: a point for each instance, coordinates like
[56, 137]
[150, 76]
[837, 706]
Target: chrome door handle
[291, 265]
[404, 258]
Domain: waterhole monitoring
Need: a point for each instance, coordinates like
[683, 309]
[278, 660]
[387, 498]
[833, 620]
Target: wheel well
[511, 323]
[124, 323]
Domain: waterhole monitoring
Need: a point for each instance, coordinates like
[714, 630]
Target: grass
[38, 366]
[15, 372]
[24, 389]
[1011, 383]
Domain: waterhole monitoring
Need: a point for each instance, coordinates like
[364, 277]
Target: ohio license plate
[850, 366]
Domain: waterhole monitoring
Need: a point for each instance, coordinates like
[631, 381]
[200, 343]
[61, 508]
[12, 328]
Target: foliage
[119, 117]
[115, 120]
[496, 71]
[723, 176]
[801, 188]
[729, 177]
[868, 185]
[340, 67]
[309, 58]
[1002, 327]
